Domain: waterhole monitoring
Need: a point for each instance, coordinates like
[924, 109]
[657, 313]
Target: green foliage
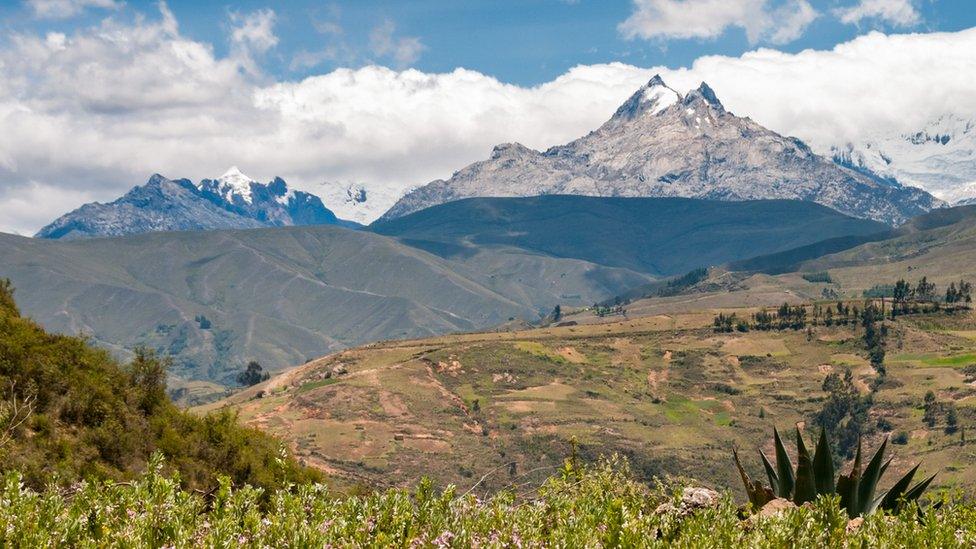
[252, 374]
[814, 477]
[844, 414]
[822, 276]
[591, 506]
[83, 415]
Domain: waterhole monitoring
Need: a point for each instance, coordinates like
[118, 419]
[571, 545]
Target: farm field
[503, 409]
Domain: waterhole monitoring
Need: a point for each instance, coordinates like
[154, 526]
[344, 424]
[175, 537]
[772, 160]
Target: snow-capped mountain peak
[939, 157]
[654, 98]
[664, 143]
[234, 182]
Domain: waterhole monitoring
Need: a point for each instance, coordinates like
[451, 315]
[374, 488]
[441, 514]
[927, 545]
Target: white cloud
[384, 43]
[62, 9]
[87, 115]
[666, 19]
[252, 34]
[901, 13]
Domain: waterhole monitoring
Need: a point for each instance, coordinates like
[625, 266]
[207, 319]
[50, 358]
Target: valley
[665, 391]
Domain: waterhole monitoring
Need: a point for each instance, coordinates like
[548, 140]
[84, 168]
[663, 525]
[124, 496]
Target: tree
[925, 290]
[557, 313]
[952, 420]
[844, 414]
[252, 374]
[148, 374]
[931, 407]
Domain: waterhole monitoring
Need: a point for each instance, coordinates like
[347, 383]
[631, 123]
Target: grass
[672, 392]
[316, 384]
[578, 506]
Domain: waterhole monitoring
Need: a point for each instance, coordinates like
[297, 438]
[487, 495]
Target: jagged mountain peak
[662, 143]
[235, 182]
[655, 80]
[510, 149]
[704, 93]
[232, 201]
[653, 97]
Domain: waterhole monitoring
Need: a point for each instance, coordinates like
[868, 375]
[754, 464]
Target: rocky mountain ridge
[660, 143]
[231, 201]
[940, 158]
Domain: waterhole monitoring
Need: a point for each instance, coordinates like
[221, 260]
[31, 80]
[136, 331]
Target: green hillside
[215, 300]
[659, 236]
[69, 412]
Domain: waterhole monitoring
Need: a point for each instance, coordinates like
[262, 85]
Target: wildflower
[444, 540]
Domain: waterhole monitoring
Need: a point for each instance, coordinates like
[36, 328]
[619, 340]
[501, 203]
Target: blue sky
[524, 42]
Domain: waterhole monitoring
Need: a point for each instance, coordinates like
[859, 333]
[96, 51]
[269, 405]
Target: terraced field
[493, 410]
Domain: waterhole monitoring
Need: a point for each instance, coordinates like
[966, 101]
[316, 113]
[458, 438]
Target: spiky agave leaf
[916, 491]
[890, 500]
[805, 488]
[758, 494]
[869, 480]
[823, 465]
[770, 472]
[848, 486]
[784, 467]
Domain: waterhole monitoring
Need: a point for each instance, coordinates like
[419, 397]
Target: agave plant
[814, 476]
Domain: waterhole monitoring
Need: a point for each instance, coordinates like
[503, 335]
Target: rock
[339, 370]
[259, 394]
[854, 524]
[776, 507]
[692, 499]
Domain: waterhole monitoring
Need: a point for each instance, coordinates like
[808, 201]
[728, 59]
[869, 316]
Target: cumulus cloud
[154, 100]
[666, 19]
[62, 9]
[900, 13]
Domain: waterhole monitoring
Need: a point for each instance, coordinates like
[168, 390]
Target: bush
[822, 276]
[581, 506]
[94, 418]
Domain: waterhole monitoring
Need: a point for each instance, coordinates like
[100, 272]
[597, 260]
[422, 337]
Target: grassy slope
[90, 417]
[661, 236]
[277, 295]
[663, 390]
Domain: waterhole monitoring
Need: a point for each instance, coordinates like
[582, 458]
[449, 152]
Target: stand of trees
[923, 297]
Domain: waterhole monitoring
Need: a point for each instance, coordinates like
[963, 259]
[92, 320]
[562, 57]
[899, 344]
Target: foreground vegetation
[598, 506]
[68, 411]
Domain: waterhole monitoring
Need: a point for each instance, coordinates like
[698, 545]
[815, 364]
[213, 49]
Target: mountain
[358, 202]
[940, 158]
[215, 299]
[659, 236]
[663, 143]
[940, 244]
[232, 201]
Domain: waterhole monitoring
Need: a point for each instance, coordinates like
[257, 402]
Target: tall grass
[595, 506]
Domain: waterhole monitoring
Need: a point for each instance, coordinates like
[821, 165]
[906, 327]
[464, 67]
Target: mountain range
[940, 158]
[214, 300]
[663, 143]
[232, 201]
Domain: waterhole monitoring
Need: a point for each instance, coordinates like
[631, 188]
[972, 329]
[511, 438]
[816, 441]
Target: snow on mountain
[940, 157]
[235, 183]
[232, 201]
[357, 201]
[662, 143]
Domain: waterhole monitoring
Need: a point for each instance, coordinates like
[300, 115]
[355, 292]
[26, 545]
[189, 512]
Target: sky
[96, 95]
